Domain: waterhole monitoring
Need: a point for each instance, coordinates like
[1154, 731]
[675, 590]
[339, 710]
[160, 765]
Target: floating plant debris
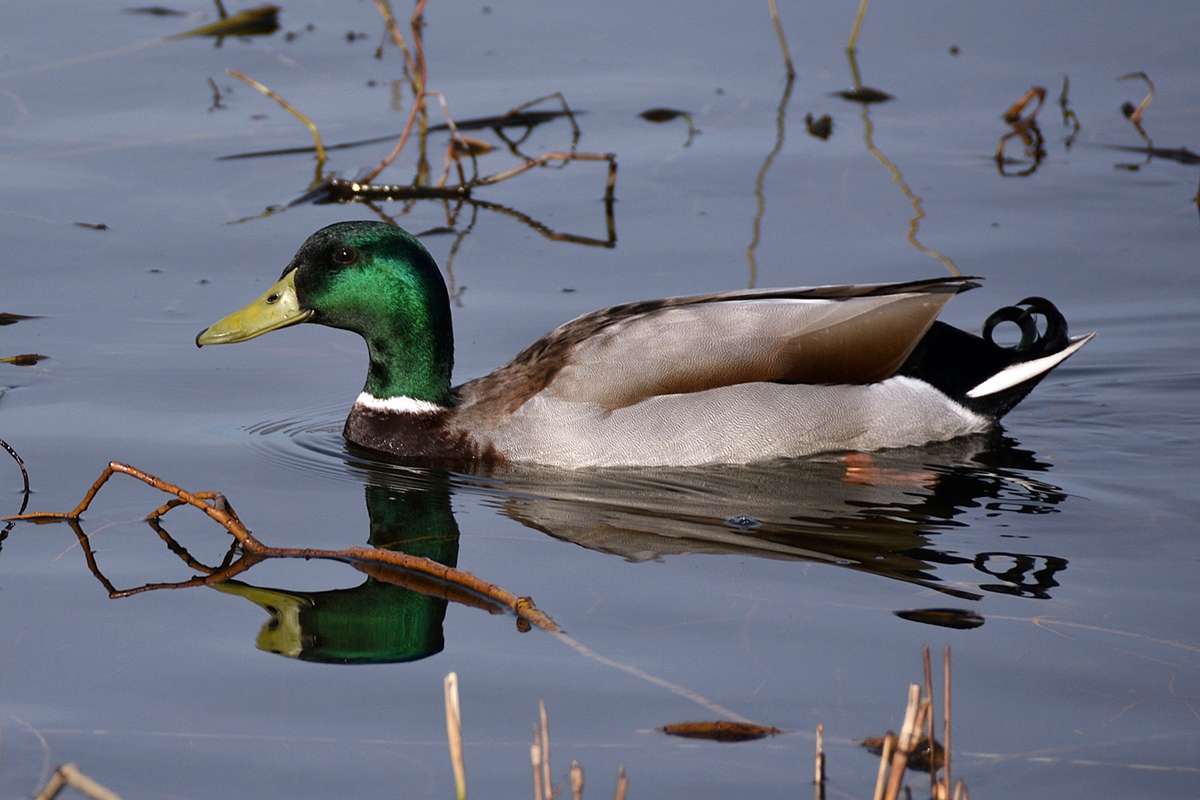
[720, 731]
[821, 128]
[660, 115]
[260, 21]
[918, 759]
[23, 360]
[95, 226]
[863, 94]
[958, 619]
[155, 11]
[9, 319]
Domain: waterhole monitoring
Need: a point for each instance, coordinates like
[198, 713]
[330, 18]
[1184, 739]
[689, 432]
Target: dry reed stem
[933, 780]
[906, 742]
[622, 783]
[454, 734]
[69, 775]
[946, 721]
[312, 128]
[885, 757]
[547, 788]
[576, 781]
[535, 756]
[819, 764]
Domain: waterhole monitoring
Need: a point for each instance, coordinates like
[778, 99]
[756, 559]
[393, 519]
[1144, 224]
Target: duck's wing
[622, 355]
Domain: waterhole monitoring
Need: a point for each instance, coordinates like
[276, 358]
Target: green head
[371, 278]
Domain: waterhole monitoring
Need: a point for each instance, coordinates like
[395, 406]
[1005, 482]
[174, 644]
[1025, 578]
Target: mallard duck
[736, 377]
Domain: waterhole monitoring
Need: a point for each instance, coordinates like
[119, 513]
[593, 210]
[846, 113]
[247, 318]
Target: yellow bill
[277, 308]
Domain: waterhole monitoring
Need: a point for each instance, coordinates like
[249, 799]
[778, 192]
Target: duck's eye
[345, 255]
[272, 299]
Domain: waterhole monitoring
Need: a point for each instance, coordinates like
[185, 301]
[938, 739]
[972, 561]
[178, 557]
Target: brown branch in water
[378, 563]
[418, 79]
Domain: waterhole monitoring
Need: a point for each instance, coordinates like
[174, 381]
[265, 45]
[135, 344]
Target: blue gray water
[764, 592]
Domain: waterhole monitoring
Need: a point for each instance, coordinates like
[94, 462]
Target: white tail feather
[1019, 373]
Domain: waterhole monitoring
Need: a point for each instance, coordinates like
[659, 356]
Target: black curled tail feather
[1033, 344]
[955, 362]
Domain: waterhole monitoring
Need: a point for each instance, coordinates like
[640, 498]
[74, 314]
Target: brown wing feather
[621, 355]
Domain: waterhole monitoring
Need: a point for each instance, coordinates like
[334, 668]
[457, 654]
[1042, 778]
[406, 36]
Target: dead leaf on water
[863, 94]
[23, 360]
[821, 128]
[155, 11]
[258, 21]
[918, 759]
[956, 618]
[9, 319]
[720, 731]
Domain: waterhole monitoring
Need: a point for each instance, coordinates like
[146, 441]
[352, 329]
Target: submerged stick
[622, 783]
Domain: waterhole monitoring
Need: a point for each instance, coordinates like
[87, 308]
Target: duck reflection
[877, 513]
[378, 622]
